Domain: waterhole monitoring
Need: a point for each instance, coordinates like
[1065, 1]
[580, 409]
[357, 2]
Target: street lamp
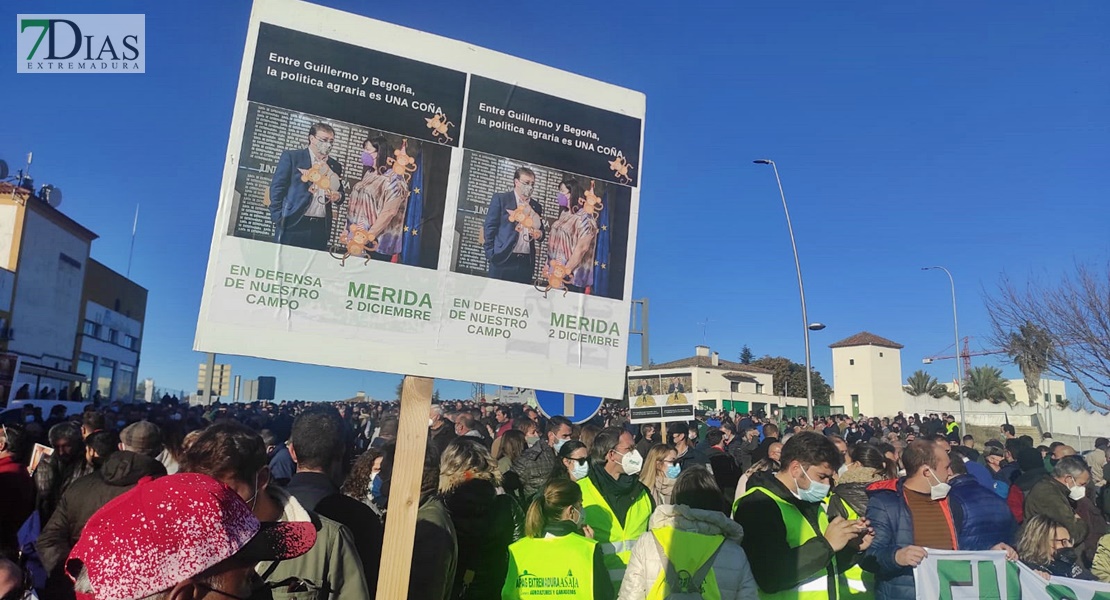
[959, 359]
[806, 326]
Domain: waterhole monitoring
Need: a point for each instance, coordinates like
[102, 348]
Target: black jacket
[775, 564]
[485, 524]
[121, 472]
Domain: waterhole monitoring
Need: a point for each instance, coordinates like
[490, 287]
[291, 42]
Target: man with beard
[58, 470]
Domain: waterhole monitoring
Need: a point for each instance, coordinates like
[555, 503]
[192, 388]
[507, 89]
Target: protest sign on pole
[960, 575]
[400, 202]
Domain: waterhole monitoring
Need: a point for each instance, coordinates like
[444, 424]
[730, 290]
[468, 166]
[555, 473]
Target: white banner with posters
[400, 202]
[958, 575]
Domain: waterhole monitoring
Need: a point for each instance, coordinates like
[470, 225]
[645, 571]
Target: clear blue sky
[971, 136]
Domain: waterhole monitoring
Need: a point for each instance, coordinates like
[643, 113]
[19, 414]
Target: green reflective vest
[798, 532]
[855, 582]
[561, 567]
[687, 552]
[616, 541]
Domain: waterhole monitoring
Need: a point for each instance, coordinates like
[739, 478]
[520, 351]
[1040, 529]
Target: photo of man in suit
[511, 230]
[302, 211]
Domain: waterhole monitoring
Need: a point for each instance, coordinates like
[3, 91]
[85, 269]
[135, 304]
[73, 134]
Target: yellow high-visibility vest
[561, 567]
[798, 532]
[690, 555]
[616, 541]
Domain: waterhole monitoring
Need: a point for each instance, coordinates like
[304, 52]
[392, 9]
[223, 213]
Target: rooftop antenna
[704, 324]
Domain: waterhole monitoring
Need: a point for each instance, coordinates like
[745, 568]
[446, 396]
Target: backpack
[683, 585]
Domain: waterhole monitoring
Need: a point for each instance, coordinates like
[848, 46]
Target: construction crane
[964, 355]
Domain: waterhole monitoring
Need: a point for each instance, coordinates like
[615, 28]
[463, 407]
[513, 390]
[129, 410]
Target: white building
[867, 375]
[712, 383]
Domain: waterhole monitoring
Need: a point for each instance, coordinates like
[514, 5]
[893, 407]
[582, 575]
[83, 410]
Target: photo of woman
[378, 201]
[572, 242]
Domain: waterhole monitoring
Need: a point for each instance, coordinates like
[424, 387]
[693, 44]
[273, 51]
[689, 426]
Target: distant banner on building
[956, 575]
[395, 201]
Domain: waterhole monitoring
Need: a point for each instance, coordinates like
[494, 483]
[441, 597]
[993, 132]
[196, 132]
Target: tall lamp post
[806, 326]
[959, 359]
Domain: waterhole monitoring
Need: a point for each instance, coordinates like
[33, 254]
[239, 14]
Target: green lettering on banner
[1013, 581]
[988, 580]
[1101, 596]
[1060, 592]
[951, 573]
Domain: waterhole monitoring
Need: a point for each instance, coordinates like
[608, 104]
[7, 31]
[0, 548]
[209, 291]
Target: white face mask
[580, 471]
[632, 462]
[1076, 492]
[939, 490]
[431, 422]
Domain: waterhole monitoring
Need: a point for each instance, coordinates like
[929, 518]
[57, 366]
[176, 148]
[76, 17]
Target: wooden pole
[404, 493]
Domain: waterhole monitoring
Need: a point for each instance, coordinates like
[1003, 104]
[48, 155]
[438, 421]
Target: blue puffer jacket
[982, 518]
[893, 524]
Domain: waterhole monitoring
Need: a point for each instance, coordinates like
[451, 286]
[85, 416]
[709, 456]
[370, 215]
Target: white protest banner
[958, 575]
[397, 201]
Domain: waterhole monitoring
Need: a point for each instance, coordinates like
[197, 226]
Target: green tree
[435, 396]
[786, 371]
[746, 355]
[1030, 347]
[987, 383]
[923, 383]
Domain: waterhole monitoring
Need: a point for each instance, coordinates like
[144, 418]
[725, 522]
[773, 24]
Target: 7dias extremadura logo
[80, 43]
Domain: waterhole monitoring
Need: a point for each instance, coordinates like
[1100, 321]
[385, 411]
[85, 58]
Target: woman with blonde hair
[1045, 546]
[486, 520]
[660, 471]
[557, 540]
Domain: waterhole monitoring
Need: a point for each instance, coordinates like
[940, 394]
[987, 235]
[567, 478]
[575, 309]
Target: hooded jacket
[120, 472]
[851, 489]
[730, 567]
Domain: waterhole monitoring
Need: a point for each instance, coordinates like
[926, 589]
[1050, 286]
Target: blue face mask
[376, 492]
[816, 492]
[673, 471]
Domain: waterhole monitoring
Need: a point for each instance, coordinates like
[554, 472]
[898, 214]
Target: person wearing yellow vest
[794, 549]
[693, 547]
[617, 505]
[558, 557]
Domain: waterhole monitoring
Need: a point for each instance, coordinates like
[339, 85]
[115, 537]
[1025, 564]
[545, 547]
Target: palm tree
[1030, 348]
[923, 383]
[987, 383]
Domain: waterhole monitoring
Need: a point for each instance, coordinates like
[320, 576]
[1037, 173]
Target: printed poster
[395, 201]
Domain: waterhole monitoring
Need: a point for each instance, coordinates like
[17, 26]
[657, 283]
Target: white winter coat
[731, 567]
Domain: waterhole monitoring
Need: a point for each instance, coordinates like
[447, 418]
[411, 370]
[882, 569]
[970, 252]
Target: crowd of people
[290, 500]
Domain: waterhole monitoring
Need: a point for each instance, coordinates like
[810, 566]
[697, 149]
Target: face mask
[563, 200]
[376, 491]
[367, 159]
[579, 518]
[842, 469]
[431, 422]
[558, 444]
[939, 490]
[816, 492]
[1065, 555]
[323, 147]
[673, 471]
[526, 190]
[580, 471]
[632, 462]
[531, 440]
[1076, 492]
